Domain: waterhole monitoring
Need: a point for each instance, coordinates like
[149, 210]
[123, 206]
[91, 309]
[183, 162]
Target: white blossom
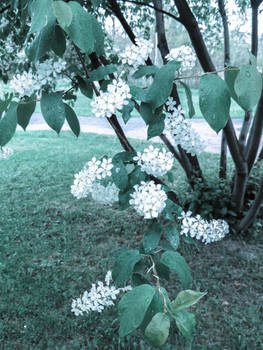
[107, 103]
[6, 152]
[136, 55]
[148, 199]
[183, 54]
[155, 162]
[99, 297]
[181, 131]
[199, 228]
[87, 182]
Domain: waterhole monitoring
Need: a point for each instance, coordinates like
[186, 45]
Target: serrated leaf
[24, 113]
[43, 42]
[172, 235]
[80, 30]
[156, 126]
[145, 71]
[214, 101]
[132, 308]
[124, 265]
[185, 322]
[53, 110]
[177, 263]
[41, 13]
[58, 42]
[248, 87]
[101, 72]
[126, 111]
[189, 98]
[138, 93]
[63, 13]
[157, 330]
[72, 119]
[8, 124]
[152, 237]
[119, 175]
[230, 77]
[185, 299]
[162, 85]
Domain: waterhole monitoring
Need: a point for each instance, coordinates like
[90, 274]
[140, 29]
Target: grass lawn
[53, 247]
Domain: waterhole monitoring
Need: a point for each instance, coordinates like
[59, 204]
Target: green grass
[53, 247]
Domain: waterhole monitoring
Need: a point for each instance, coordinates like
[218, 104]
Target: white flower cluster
[87, 181]
[107, 103]
[180, 129]
[183, 54]
[155, 162]
[199, 228]
[98, 297]
[44, 73]
[136, 55]
[6, 152]
[148, 199]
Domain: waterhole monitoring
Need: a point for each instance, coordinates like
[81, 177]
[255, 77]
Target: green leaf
[132, 308]
[156, 126]
[145, 71]
[63, 13]
[177, 263]
[138, 279]
[231, 74]
[43, 42]
[248, 87]
[163, 271]
[124, 197]
[157, 330]
[119, 175]
[126, 111]
[188, 93]
[53, 110]
[72, 119]
[95, 3]
[136, 176]
[80, 30]
[85, 87]
[147, 114]
[98, 37]
[8, 124]
[162, 85]
[124, 156]
[185, 299]
[214, 101]
[5, 103]
[41, 13]
[152, 237]
[138, 93]
[124, 265]
[185, 322]
[58, 42]
[172, 235]
[24, 112]
[101, 72]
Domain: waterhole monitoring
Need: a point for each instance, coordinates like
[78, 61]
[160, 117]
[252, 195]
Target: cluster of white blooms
[98, 297]
[107, 103]
[136, 55]
[87, 181]
[180, 129]
[6, 152]
[148, 199]
[183, 54]
[44, 73]
[155, 162]
[199, 228]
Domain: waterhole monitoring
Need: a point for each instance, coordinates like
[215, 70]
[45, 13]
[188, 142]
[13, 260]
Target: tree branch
[156, 8]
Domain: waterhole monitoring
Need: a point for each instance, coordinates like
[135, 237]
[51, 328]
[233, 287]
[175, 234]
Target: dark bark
[160, 29]
[5, 9]
[253, 211]
[254, 37]
[255, 135]
[223, 153]
[260, 156]
[244, 131]
[223, 159]
[188, 20]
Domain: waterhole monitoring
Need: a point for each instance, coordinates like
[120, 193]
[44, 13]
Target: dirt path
[135, 128]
